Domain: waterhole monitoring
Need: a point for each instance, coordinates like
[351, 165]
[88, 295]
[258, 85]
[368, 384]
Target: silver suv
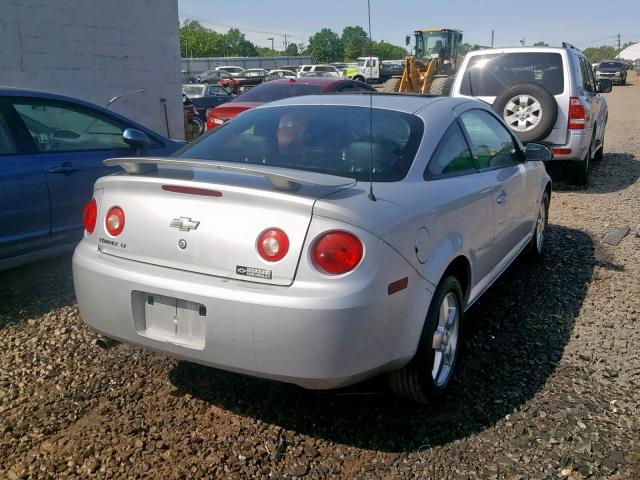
[544, 94]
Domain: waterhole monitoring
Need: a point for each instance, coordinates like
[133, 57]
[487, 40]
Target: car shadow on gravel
[615, 172]
[34, 289]
[516, 336]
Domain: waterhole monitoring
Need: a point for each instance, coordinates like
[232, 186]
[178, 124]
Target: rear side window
[6, 143]
[588, 80]
[452, 155]
[489, 75]
[332, 139]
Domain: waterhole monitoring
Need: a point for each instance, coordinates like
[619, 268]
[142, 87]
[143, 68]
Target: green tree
[325, 46]
[355, 42]
[292, 50]
[237, 45]
[597, 54]
[540, 44]
[388, 51]
[198, 41]
[464, 48]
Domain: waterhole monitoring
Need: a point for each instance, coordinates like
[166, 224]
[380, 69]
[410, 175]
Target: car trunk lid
[208, 222]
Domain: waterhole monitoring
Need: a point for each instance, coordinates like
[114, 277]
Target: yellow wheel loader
[432, 68]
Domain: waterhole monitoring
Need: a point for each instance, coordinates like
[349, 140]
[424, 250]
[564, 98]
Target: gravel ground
[549, 385]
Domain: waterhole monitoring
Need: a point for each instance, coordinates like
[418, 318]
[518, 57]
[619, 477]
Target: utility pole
[522, 42]
[286, 46]
[492, 35]
[619, 41]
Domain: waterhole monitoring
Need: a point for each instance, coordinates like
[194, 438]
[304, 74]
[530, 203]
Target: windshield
[610, 65]
[328, 139]
[362, 62]
[488, 75]
[431, 44]
[193, 90]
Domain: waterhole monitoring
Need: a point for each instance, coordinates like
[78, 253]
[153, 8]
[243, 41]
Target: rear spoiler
[280, 178]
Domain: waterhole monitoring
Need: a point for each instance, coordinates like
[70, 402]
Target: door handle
[501, 198]
[65, 169]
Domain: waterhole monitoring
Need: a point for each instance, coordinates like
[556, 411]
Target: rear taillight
[577, 114]
[273, 244]
[90, 215]
[212, 120]
[336, 252]
[114, 221]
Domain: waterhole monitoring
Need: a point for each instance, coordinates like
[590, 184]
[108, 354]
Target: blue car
[51, 153]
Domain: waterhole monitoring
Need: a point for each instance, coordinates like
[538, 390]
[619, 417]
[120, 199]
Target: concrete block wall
[95, 50]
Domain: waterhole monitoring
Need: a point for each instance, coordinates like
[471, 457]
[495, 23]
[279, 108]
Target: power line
[616, 36]
[242, 29]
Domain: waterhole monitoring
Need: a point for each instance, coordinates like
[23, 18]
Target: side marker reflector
[395, 287]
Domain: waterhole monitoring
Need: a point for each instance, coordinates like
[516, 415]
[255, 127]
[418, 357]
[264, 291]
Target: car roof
[486, 51]
[326, 81]
[390, 101]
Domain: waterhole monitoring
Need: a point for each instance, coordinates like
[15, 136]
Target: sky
[583, 23]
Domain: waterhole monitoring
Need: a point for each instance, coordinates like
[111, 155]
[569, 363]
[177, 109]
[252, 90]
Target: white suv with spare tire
[544, 94]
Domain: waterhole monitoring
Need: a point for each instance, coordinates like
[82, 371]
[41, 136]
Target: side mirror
[537, 152]
[407, 40]
[604, 86]
[136, 139]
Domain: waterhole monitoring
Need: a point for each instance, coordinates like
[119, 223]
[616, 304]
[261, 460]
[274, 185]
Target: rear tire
[426, 378]
[441, 86]
[581, 170]
[391, 85]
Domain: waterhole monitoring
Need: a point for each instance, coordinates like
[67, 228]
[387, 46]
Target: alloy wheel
[522, 113]
[445, 340]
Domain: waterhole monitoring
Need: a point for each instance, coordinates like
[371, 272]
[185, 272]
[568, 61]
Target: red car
[278, 89]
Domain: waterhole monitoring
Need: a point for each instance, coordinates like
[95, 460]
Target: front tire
[441, 86]
[426, 378]
[536, 246]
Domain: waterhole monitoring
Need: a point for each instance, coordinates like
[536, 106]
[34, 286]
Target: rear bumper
[578, 144]
[292, 334]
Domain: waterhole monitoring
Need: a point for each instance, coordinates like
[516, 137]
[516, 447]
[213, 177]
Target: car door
[24, 198]
[462, 201]
[70, 143]
[500, 159]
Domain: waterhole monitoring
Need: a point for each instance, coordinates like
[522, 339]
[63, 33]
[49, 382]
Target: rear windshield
[328, 139]
[268, 92]
[489, 75]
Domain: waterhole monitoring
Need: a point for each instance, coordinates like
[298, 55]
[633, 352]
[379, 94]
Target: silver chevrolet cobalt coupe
[318, 240]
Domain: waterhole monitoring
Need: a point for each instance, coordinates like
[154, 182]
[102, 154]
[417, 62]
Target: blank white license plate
[174, 320]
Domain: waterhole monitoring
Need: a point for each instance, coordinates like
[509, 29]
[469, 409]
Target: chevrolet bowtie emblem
[184, 224]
